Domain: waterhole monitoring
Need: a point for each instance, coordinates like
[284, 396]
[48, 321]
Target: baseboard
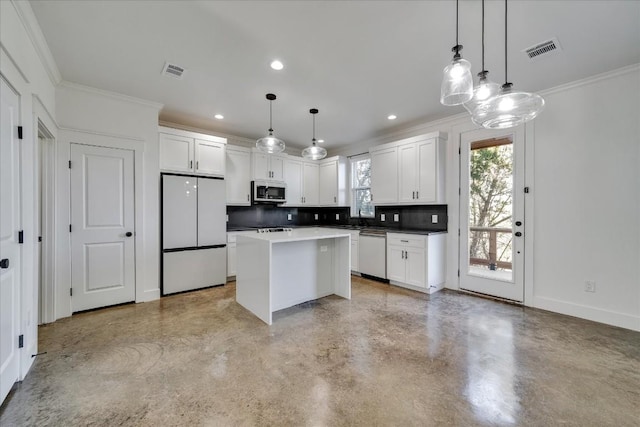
[621, 320]
[150, 295]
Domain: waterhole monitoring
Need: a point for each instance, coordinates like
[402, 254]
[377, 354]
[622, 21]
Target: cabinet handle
[406, 255]
[413, 194]
[404, 241]
[198, 164]
[335, 199]
[417, 196]
[248, 198]
[190, 164]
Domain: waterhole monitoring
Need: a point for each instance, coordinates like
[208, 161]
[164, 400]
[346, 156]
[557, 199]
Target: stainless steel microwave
[268, 192]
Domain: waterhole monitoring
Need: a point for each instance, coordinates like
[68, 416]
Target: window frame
[352, 188]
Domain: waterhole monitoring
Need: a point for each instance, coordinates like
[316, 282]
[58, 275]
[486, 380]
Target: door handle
[128, 234]
[518, 223]
[518, 234]
[4, 263]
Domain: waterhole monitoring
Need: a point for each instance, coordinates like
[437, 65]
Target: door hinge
[70, 292]
[69, 164]
[21, 236]
[20, 341]
[69, 228]
[458, 232]
[19, 132]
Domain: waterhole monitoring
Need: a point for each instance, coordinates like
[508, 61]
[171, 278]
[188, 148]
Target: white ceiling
[356, 61]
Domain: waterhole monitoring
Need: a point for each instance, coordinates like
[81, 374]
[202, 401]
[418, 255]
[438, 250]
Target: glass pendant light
[509, 108]
[485, 89]
[270, 144]
[314, 152]
[457, 82]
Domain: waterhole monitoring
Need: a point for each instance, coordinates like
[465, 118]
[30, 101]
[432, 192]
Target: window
[361, 186]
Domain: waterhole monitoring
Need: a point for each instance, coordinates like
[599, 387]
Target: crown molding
[112, 95]
[592, 79]
[30, 24]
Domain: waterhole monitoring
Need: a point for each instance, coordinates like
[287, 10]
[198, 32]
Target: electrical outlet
[323, 248]
[337, 216]
[289, 217]
[396, 217]
[589, 286]
[315, 216]
[434, 219]
[383, 217]
[227, 218]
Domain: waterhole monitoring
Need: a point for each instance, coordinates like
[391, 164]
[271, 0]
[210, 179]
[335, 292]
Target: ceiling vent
[544, 49]
[173, 70]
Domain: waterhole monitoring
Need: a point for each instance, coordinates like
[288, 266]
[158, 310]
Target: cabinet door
[310, 184]
[384, 176]
[416, 269]
[329, 184]
[276, 165]
[176, 153]
[407, 173]
[209, 157]
[238, 177]
[428, 171]
[261, 166]
[179, 211]
[396, 263]
[293, 179]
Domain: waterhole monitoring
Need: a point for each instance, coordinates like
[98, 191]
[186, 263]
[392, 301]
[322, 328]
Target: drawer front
[408, 240]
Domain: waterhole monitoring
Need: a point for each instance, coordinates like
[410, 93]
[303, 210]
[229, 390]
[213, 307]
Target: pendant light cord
[506, 79]
[457, 44]
[483, 36]
[270, 117]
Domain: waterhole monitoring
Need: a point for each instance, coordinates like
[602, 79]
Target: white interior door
[102, 220]
[10, 215]
[492, 212]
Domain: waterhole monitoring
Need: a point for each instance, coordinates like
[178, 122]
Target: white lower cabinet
[232, 259]
[416, 261]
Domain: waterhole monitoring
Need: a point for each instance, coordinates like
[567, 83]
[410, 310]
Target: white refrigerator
[194, 233]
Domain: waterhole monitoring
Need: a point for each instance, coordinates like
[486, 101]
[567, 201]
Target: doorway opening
[46, 224]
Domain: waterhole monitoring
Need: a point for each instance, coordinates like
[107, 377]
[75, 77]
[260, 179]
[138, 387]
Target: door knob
[518, 223]
[4, 263]
[518, 234]
[128, 234]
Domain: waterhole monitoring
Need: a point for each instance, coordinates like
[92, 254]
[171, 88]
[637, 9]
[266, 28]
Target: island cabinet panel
[238, 176]
[416, 261]
[283, 269]
[190, 152]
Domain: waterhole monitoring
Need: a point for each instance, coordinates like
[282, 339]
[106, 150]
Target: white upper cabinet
[190, 152]
[310, 184]
[268, 166]
[210, 157]
[384, 175]
[410, 171]
[293, 177]
[302, 182]
[333, 182]
[238, 176]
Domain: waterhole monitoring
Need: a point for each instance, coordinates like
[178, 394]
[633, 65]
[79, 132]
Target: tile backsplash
[413, 217]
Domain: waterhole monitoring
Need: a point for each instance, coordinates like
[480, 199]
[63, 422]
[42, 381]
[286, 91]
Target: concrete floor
[387, 357]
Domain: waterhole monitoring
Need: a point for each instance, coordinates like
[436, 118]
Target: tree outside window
[361, 187]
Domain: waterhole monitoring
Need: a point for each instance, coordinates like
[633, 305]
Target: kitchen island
[281, 269]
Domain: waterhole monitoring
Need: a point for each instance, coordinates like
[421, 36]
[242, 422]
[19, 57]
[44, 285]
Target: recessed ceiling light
[277, 65]
[321, 140]
[392, 117]
[219, 116]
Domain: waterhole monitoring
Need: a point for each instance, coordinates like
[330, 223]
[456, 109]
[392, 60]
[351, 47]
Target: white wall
[26, 64]
[587, 200]
[583, 212]
[91, 116]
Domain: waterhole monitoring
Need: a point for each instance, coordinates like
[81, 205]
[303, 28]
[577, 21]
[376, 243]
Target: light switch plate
[289, 217]
[396, 217]
[383, 217]
[434, 219]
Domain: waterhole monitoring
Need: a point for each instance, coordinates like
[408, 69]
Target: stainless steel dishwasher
[372, 248]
